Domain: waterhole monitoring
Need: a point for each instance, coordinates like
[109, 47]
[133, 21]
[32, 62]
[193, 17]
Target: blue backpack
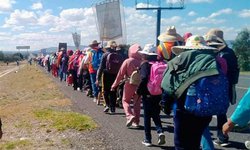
[96, 58]
[208, 96]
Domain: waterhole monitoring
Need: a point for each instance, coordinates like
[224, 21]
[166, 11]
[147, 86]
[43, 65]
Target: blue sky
[45, 23]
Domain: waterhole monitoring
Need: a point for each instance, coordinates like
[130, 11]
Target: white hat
[194, 42]
[149, 49]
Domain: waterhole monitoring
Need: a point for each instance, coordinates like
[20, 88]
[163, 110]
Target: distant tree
[241, 45]
[17, 56]
[1, 56]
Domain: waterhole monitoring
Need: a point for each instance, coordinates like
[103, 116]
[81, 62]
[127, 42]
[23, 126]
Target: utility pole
[159, 8]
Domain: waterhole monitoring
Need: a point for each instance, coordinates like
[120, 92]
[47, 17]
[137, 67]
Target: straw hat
[214, 37]
[170, 35]
[111, 43]
[149, 49]
[194, 42]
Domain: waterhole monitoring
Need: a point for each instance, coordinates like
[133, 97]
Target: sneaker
[247, 144]
[146, 143]
[78, 89]
[111, 112]
[130, 121]
[221, 142]
[161, 139]
[135, 125]
[94, 100]
[106, 109]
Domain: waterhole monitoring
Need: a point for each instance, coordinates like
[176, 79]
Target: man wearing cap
[168, 39]
[214, 38]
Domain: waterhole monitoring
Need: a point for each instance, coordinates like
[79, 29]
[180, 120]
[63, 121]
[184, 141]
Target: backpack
[155, 78]
[113, 63]
[135, 78]
[208, 96]
[96, 58]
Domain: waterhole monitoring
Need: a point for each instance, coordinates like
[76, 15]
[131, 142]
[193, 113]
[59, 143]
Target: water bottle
[191, 99]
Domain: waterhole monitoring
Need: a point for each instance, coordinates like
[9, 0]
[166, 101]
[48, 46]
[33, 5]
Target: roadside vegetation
[36, 114]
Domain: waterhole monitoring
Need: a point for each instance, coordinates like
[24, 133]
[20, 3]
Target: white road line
[9, 71]
[239, 87]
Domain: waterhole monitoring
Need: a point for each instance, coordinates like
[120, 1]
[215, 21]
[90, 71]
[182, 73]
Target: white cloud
[6, 5]
[200, 1]
[21, 17]
[74, 14]
[48, 19]
[192, 13]
[37, 6]
[221, 12]
[171, 21]
[207, 20]
[245, 13]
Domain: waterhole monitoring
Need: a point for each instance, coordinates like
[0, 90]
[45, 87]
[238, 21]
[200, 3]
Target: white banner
[109, 20]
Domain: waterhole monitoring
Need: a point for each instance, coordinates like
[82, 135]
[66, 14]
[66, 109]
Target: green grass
[15, 144]
[66, 120]
[245, 73]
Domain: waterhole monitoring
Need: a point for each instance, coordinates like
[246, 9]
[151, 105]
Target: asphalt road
[120, 137]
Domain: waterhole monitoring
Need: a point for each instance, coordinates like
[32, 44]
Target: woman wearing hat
[214, 38]
[195, 60]
[150, 102]
[168, 39]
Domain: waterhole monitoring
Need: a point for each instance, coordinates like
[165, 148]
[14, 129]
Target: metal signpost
[170, 5]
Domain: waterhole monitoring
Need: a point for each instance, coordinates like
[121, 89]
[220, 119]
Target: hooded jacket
[129, 65]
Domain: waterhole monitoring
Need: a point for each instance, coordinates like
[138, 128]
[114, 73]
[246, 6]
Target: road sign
[22, 47]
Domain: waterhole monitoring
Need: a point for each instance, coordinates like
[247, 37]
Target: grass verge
[15, 144]
[245, 73]
[30, 108]
[66, 120]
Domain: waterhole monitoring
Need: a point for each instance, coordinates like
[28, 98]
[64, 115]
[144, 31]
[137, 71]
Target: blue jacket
[241, 115]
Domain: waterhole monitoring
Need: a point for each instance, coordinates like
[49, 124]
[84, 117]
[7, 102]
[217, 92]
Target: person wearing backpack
[199, 89]
[214, 38]
[151, 71]
[93, 60]
[128, 67]
[73, 67]
[110, 64]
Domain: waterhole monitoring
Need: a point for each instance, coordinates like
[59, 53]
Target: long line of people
[200, 73]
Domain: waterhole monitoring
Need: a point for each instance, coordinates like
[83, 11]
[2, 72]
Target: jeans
[206, 140]
[151, 110]
[94, 87]
[188, 130]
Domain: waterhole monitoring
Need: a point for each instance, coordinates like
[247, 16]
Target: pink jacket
[129, 65]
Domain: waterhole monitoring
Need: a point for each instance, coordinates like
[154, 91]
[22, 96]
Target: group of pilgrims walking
[191, 76]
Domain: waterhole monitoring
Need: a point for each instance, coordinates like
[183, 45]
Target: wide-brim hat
[194, 42]
[170, 35]
[215, 38]
[110, 43]
[94, 43]
[149, 49]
